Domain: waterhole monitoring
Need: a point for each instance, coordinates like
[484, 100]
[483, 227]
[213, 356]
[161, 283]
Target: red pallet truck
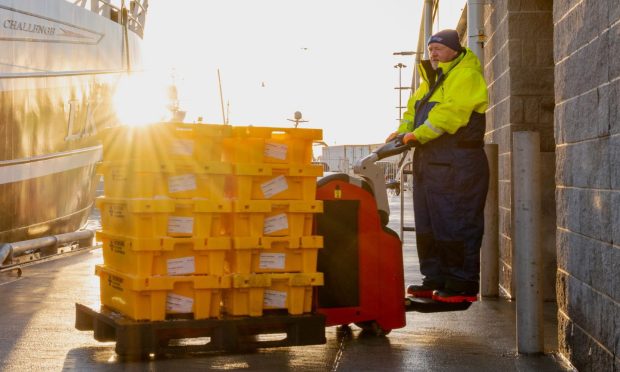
[362, 265]
[362, 258]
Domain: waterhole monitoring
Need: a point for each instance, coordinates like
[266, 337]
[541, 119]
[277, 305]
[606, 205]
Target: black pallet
[140, 339]
[427, 305]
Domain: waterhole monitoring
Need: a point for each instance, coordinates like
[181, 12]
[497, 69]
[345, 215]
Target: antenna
[219, 81]
[297, 120]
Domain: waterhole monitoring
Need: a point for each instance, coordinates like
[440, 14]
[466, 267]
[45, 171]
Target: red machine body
[362, 260]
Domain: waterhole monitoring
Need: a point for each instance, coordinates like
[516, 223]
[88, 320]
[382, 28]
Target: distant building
[341, 158]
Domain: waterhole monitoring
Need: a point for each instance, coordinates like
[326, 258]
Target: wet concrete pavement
[38, 334]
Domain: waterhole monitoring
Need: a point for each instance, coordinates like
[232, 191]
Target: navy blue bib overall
[450, 183]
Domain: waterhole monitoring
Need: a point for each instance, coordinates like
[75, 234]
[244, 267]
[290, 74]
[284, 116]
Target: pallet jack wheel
[371, 327]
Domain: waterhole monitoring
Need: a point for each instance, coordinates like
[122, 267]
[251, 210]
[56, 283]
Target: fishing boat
[60, 64]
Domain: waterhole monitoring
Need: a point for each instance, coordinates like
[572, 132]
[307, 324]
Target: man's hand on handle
[396, 143]
[402, 139]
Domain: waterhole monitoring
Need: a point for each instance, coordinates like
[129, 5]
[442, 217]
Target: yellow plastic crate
[274, 182]
[271, 145]
[274, 254]
[162, 143]
[144, 257]
[130, 180]
[147, 218]
[158, 298]
[250, 294]
[274, 218]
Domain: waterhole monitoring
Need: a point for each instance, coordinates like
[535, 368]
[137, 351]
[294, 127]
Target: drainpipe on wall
[475, 27]
[489, 252]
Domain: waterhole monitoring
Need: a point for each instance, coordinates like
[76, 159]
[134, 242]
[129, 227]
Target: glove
[406, 139]
[410, 140]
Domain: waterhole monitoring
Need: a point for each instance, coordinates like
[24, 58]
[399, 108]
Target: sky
[332, 60]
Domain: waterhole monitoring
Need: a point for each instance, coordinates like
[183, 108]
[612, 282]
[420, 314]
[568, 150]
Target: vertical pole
[400, 67]
[527, 242]
[489, 252]
[415, 81]
[428, 24]
[400, 92]
[475, 27]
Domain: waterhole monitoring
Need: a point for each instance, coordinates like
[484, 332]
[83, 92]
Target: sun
[141, 99]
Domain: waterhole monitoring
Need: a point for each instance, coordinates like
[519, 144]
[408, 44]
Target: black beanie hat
[449, 38]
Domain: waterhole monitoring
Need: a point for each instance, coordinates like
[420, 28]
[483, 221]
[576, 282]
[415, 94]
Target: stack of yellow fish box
[166, 221]
[273, 260]
[201, 218]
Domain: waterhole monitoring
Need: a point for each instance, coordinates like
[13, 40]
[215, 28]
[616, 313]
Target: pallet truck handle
[397, 145]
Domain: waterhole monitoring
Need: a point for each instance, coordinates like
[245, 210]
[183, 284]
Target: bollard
[489, 251]
[528, 257]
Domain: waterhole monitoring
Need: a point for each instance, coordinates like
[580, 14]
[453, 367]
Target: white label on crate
[179, 304]
[274, 186]
[271, 261]
[181, 225]
[117, 211]
[184, 182]
[275, 150]
[181, 266]
[275, 223]
[274, 299]
[182, 147]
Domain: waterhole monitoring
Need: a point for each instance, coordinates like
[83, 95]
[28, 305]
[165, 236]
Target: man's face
[440, 53]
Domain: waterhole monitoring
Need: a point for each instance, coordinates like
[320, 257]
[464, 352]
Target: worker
[445, 122]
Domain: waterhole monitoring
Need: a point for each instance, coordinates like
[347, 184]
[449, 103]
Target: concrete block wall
[587, 134]
[519, 71]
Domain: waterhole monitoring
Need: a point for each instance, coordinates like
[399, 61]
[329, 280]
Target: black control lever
[394, 147]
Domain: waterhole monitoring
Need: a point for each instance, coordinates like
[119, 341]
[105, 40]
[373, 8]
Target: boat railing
[133, 16]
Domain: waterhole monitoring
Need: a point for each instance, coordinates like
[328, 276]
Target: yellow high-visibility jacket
[463, 92]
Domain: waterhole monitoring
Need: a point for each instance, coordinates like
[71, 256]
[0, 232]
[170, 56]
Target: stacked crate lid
[166, 220]
[273, 187]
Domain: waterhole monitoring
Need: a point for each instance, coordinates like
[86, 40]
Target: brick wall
[519, 71]
[587, 132]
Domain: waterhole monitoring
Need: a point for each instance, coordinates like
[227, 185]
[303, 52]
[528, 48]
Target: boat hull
[55, 194]
[59, 70]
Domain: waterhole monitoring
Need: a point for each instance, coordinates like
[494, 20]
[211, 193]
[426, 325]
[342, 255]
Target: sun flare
[141, 99]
